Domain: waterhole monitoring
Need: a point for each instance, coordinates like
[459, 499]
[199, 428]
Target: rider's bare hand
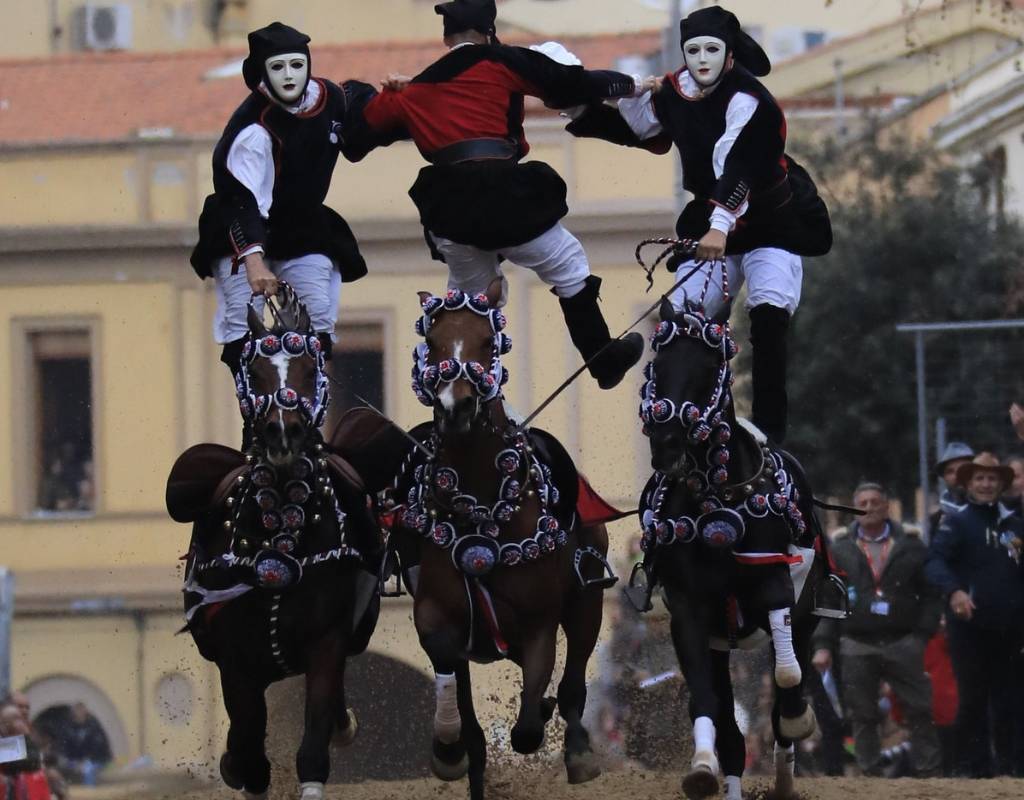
[261, 279]
[395, 82]
[711, 247]
[822, 660]
[651, 83]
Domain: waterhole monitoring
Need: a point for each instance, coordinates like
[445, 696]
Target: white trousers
[313, 277]
[556, 256]
[773, 276]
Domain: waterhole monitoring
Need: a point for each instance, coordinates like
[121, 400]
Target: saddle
[203, 475]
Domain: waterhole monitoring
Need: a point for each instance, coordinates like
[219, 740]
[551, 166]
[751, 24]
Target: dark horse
[274, 582]
[729, 532]
[492, 512]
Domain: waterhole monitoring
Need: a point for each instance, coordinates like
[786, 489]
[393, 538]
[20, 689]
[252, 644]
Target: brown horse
[502, 564]
[275, 580]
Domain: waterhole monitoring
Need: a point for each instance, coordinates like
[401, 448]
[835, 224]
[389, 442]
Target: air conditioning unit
[103, 27]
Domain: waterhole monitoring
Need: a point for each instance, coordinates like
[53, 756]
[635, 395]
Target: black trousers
[989, 725]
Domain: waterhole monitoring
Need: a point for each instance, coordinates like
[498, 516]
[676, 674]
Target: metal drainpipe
[139, 617]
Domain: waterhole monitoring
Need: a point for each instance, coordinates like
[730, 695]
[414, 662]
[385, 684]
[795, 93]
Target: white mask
[705, 59]
[287, 75]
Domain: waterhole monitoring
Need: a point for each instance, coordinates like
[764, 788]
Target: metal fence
[967, 375]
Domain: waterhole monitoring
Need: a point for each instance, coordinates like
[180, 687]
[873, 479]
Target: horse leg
[538, 662]
[732, 749]
[472, 733]
[244, 765]
[690, 626]
[793, 717]
[448, 758]
[325, 670]
[582, 625]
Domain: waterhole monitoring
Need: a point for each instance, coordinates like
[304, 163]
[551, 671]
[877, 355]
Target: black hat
[272, 40]
[716, 21]
[468, 15]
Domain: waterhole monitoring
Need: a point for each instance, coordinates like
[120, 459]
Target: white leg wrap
[704, 744]
[732, 788]
[447, 723]
[785, 765]
[787, 669]
[311, 791]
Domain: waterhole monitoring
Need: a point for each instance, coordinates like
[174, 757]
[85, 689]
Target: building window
[61, 369]
[357, 368]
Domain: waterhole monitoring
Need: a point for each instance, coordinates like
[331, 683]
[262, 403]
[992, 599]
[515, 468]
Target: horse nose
[459, 416]
[273, 432]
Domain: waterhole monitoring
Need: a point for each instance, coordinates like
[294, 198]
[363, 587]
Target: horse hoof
[700, 782]
[311, 790]
[345, 736]
[582, 767]
[797, 728]
[231, 780]
[449, 762]
[526, 743]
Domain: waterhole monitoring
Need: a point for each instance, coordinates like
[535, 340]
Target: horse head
[686, 395]
[457, 369]
[282, 386]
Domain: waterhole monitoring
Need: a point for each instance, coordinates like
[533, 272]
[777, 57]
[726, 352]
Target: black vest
[305, 149]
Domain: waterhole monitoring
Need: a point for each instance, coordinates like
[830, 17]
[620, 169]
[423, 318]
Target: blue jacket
[973, 551]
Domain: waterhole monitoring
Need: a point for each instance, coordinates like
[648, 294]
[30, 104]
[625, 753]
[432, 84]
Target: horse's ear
[667, 311]
[424, 296]
[496, 292]
[255, 320]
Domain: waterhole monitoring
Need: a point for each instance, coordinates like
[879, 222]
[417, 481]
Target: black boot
[769, 326]
[231, 354]
[589, 332]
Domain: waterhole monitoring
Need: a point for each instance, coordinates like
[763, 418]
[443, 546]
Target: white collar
[461, 44]
[690, 89]
[309, 99]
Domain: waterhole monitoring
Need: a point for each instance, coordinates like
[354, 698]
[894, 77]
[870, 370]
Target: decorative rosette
[511, 554]
[297, 492]
[263, 476]
[722, 434]
[498, 323]
[294, 344]
[718, 456]
[269, 345]
[508, 461]
[302, 468]
[270, 520]
[284, 542]
[502, 511]
[267, 499]
[479, 514]
[463, 504]
[443, 534]
[446, 480]
[757, 505]
[531, 550]
[510, 489]
[293, 516]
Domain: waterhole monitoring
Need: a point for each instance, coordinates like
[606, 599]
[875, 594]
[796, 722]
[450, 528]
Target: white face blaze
[705, 58]
[288, 74]
[447, 393]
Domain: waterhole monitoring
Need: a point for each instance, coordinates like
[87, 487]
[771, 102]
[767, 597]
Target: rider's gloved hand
[261, 279]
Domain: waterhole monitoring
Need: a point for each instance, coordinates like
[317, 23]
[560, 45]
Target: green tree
[914, 242]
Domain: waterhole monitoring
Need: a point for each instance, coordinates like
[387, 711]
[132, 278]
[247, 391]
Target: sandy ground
[547, 782]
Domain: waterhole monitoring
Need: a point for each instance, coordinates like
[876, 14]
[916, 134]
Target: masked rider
[753, 204]
[266, 220]
[478, 203]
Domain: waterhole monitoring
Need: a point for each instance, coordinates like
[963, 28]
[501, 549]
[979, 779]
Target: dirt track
[547, 782]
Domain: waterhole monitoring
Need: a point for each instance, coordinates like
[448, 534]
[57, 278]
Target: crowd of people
[923, 678]
[74, 751]
[67, 483]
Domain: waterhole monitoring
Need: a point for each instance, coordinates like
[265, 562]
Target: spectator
[25, 779]
[952, 498]
[893, 613]
[975, 560]
[84, 744]
[1013, 498]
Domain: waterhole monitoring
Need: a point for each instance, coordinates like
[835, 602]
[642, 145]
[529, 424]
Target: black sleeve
[356, 138]
[561, 86]
[238, 207]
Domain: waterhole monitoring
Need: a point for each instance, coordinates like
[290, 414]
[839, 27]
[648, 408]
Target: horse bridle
[486, 381]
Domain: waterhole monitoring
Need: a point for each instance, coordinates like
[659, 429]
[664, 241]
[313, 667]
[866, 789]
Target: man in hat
[894, 611]
[266, 220]
[478, 204]
[754, 208]
[953, 497]
[975, 561]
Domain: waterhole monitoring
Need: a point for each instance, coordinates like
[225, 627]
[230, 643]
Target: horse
[729, 532]
[276, 577]
[504, 559]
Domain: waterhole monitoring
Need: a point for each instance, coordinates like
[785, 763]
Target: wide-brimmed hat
[955, 451]
[716, 21]
[984, 461]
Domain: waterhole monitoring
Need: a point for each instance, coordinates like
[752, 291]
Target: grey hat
[954, 451]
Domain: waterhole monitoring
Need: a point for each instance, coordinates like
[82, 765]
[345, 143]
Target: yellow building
[111, 370]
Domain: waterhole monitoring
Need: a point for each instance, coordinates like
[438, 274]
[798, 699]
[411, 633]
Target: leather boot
[589, 333]
[231, 355]
[769, 326]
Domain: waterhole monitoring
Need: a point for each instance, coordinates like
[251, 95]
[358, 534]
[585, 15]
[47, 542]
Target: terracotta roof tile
[111, 96]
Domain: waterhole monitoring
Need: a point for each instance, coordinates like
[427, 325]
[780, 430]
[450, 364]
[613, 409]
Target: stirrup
[639, 591]
[608, 577]
[389, 569]
[837, 587]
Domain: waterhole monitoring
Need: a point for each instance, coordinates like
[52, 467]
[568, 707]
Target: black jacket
[305, 148]
[972, 551]
[914, 606]
[784, 210]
